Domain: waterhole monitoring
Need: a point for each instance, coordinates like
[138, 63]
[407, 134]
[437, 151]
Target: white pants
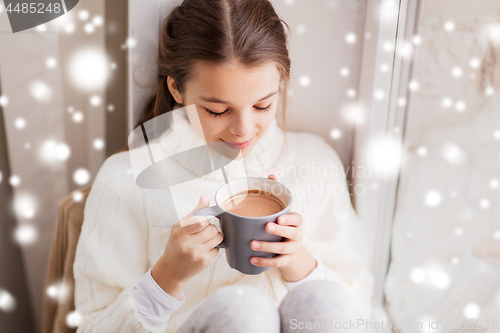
[314, 306]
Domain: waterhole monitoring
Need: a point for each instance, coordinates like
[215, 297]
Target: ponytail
[159, 103]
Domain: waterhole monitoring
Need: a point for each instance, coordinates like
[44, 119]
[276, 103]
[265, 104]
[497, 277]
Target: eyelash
[215, 114]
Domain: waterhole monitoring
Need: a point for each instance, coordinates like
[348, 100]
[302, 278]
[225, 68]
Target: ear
[172, 86]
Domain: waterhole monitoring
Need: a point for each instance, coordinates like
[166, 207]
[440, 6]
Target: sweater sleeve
[343, 252]
[335, 235]
[153, 303]
[111, 254]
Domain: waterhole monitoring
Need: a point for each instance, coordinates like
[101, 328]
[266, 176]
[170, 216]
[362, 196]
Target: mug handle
[214, 211]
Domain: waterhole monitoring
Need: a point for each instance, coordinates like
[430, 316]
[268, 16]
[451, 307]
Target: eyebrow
[216, 100]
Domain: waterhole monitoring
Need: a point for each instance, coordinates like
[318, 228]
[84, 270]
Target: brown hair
[217, 31]
[489, 70]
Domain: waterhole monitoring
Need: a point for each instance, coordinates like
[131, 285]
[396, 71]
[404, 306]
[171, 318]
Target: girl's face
[235, 104]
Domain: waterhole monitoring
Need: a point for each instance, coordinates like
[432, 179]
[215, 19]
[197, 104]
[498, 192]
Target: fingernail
[282, 219]
[256, 245]
[254, 261]
[271, 226]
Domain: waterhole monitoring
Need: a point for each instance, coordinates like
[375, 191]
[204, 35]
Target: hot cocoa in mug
[254, 203]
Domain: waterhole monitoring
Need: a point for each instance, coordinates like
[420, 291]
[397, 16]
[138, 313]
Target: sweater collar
[182, 137]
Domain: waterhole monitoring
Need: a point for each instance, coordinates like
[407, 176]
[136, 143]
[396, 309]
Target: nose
[242, 125]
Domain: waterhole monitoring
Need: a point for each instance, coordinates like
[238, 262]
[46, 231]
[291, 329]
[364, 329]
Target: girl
[138, 270]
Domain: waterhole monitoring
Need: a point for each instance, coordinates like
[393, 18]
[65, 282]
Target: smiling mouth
[241, 145]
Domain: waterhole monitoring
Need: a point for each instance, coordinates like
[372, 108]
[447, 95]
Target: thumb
[202, 203]
[273, 177]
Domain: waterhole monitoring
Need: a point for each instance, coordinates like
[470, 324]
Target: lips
[241, 145]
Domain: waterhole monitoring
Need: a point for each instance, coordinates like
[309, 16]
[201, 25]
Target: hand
[494, 244]
[289, 227]
[190, 249]
[490, 246]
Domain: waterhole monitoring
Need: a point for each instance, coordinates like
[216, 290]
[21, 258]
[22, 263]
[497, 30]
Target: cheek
[212, 127]
[267, 118]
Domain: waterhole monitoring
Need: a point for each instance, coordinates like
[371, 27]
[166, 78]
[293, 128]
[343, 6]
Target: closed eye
[264, 109]
[219, 114]
[216, 114]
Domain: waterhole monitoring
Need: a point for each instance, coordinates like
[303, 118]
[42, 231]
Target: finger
[202, 203]
[273, 177]
[286, 231]
[205, 234]
[212, 242]
[195, 224]
[278, 261]
[293, 219]
[214, 251]
[285, 247]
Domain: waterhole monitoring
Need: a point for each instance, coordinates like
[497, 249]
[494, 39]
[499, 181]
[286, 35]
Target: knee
[318, 301]
[323, 292]
[246, 307]
[241, 295]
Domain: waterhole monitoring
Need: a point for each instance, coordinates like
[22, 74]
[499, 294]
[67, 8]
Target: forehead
[234, 82]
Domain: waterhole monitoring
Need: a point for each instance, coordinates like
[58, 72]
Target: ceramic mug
[238, 230]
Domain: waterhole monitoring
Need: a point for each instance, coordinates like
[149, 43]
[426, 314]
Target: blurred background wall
[326, 48]
[63, 101]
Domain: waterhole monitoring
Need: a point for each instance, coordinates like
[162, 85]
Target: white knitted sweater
[126, 227]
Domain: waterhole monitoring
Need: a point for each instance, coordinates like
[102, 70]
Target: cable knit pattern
[126, 227]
